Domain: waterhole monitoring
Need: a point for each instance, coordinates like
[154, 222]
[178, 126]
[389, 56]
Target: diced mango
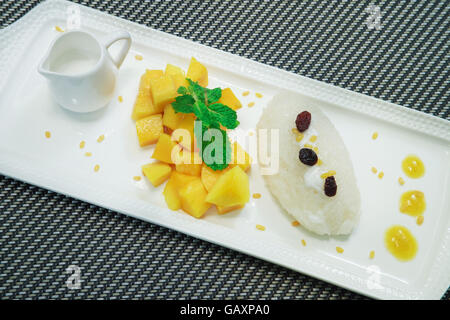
[171, 119]
[223, 210]
[192, 197]
[231, 189]
[197, 72]
[209, 176]
[149, 129]
[240, 157]
[157, 173]
[172, 70]
[171, 194]
[147, 78]
[180, 81]
[163, 91]
[164, 148]
[186, 123]
[192, 166]
[143, 106]
[181, 179]
[229, 99]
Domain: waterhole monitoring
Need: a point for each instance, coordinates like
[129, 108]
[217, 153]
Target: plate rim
[438, 280]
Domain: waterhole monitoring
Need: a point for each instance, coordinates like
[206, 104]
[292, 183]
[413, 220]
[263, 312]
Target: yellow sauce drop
[339, 250]
[258, 95]
[401, 181]
[400, 243]
[57, 28]
[88, 154]
[328, 174]
[319, 162]
[372, 254]
[82, 144]
[295, 223]
[251, 104]
[138, 57]
[374, 170]
[245, 93]
[137, 178]
[101, 138]
[96, 168]
[120, 98]
[412, 203]
[381, 175]
[304, 242]
[257, 195]
[375, 135]
[413, 167]
[313, 138]
[48, 134]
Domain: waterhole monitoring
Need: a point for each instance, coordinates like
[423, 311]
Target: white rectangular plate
[27, 111]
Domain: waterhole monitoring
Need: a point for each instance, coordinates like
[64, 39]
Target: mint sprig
[202, 102]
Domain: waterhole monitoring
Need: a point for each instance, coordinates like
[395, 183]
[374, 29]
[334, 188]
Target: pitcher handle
[116, 36]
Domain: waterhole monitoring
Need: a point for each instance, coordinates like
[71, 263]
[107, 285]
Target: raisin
[330, 186]
[307, 156]
[303, 121]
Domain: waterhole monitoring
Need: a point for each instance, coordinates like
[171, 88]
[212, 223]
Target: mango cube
[164, 148]
[231, 189]
[149, 129]
[171, 194]
[229, 99]
[209, 176]
[192, 166]
[171, 119]
[223, 210]
[186, 137]
[192, 197]
[143, 106]
[156, 173]
[240, 157]
[197, 72]
[172, 70]
[163, 91]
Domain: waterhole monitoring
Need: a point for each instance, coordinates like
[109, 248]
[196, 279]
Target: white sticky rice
[298, 187]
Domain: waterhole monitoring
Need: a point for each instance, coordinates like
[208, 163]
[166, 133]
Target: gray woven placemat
[42, 232]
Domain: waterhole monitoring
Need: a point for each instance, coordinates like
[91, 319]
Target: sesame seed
[82, 144]
[88, 154]
[57, 28]
[419, 220]
[313, 138]
[339, 250]
[304, 242]
[251, 104]
[401, 181]
[381, 175]
[245, 93]
[372, 254]
[375, 135]
[96, 168]
[374, 170]
[258, 95]
[319, 162]
[260, 227]
[138, 57]
[48, 134]
[120, 98]
[101, 138]
[299, 137]
[257, 195]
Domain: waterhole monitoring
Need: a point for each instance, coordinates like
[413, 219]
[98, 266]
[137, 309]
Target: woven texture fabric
[42, 232]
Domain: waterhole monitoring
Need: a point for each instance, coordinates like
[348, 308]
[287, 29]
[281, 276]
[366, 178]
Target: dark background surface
[42, 233]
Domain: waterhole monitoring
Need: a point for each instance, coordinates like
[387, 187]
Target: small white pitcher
[80, 69]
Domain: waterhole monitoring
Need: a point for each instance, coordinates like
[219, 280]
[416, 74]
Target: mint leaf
[213, 95]
[183, 104]
[224, 115]
[215, 154]
[182, 90]
[202, 113]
